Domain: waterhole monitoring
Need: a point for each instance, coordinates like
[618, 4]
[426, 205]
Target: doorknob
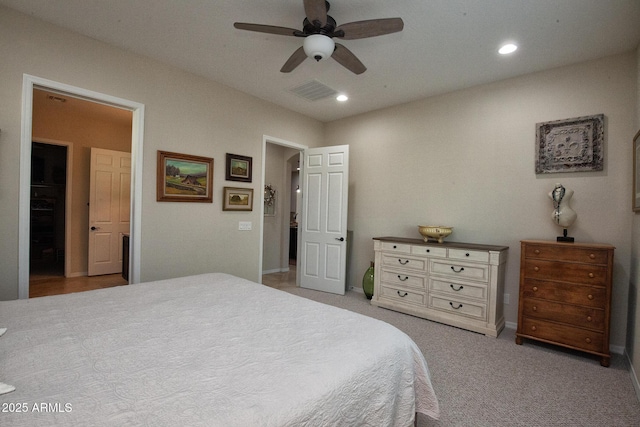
[340, 239]
[95, 228]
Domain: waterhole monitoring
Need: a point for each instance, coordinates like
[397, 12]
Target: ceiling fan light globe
[318, 46]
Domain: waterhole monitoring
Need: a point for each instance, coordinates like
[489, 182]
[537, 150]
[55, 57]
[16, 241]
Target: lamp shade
[318, 46]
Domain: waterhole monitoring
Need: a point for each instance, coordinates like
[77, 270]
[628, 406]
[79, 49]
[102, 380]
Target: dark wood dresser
[565, 295]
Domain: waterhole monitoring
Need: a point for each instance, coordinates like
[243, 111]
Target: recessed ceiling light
[342, 97]
[507, 49]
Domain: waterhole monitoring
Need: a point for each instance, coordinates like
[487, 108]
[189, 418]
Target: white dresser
[460, 284]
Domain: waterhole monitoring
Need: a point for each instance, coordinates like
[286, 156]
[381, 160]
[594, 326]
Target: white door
[323, 241]
[109, 209]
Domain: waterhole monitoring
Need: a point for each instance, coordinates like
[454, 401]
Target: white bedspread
[207, 350]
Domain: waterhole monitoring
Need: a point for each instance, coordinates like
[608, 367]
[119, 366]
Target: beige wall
[52, 121]
[633, 334]
[183, 113]
[466, 159]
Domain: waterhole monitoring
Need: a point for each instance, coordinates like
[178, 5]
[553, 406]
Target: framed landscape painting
[184, 178]
[237, 199]
[238, 168]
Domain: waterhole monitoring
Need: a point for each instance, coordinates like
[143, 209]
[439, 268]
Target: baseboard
[276, 270]
[634, 377]
[79, 274]
[511, 325]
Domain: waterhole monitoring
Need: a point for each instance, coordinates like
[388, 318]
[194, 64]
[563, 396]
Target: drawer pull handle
[591, 275]
[428, 250]
[405, 294]
[401, 279]
[457, 271]
[467, 254]
[587, 340]
[590, 297]
[592, 256]
[589, 319]
[536, 268]
[403, 262]
[537, 252]
[457, 290]
[534, 308]
[395, 247]
[533, 328]
[455, 308]
[535, 289]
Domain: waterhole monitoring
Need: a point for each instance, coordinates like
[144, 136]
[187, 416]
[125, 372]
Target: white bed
[206, 350]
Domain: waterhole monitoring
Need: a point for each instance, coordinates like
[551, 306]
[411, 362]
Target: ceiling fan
[318, 31]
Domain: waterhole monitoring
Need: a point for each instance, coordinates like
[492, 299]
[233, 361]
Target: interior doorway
[48, 210]
[280, 220]
[136, 111]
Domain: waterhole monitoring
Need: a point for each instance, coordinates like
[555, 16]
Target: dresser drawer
[467, 255]
[453, 289]
[402, 295]
[562, 334]
[396, 247]
[566, 272]
[429, 251]
[461, 308]
[584, 317]
[403, 262]
[403, 279]
[589, 296]
[477, 272]
[563, 253]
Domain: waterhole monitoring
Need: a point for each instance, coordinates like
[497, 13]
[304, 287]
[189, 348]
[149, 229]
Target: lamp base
[564, 237]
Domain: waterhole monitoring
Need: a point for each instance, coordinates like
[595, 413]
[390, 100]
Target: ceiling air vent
[313, 90]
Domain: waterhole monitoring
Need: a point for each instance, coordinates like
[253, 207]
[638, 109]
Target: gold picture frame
[184, 178]
[237, 199]
[636, 173]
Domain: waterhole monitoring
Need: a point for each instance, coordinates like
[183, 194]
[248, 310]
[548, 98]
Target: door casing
[30, 82]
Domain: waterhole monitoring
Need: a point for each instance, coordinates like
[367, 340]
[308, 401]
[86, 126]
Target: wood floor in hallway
[40, 286]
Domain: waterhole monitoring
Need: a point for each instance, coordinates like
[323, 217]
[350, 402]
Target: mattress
[205, 350]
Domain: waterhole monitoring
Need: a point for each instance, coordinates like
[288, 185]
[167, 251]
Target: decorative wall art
[238, 168]
[571, 145]
[269, 200]
[636, 172]
[238, 199]
[184, 178]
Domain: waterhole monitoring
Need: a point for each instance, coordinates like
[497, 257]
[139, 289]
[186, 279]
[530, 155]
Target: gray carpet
[482, 381]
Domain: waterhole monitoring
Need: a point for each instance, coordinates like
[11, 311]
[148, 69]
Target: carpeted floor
[492, 382]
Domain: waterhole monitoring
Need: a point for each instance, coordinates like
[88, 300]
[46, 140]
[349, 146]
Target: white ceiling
[446, 45]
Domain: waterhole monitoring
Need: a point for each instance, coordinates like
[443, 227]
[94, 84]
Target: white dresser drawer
[469, 255]
[402, 295]
[461, 308]
[404, 279]
[453, 289]
[396, 247]
[479, 272]
[429, 251]
[403, 262]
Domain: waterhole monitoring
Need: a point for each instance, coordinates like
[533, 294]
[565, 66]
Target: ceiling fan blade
[294, 60]
[348, 60]
[316, 10]
[269, 29]
[369, 28]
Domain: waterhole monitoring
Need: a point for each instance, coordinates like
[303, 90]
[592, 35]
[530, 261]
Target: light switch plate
[244, 225]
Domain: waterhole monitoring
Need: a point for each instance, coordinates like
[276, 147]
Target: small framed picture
[238, 168]
[636, 172]
[237, 199]
[184, 178]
